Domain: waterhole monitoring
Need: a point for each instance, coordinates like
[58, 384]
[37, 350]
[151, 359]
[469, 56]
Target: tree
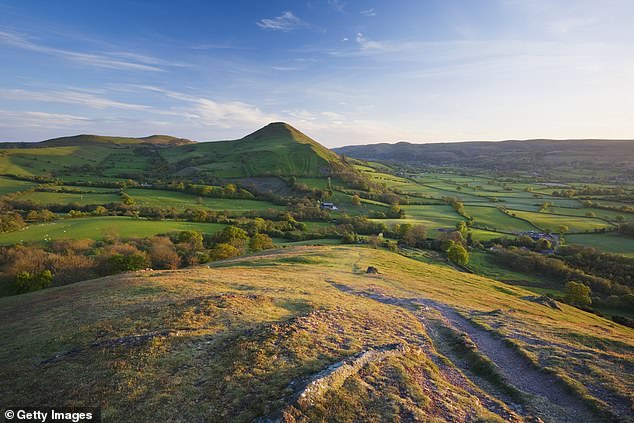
[224, 251]
[163, 254]
[562, 229]
[458, 254]
[356, 200]
[234, 236]
[578, 294]
[260, 242]
[461, 227]
[415, 236]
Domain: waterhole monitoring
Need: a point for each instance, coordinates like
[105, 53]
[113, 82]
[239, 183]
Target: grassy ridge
[231, 338]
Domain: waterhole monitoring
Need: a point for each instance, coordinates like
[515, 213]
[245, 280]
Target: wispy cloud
[338, 5]
[69, 97]
[368, 12]
[36, 119]
[367, 44]
[287, 21]
[115, 60]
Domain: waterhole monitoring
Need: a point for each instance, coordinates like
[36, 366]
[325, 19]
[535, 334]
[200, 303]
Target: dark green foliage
[123, 263]
[28, 282]
[578, 294]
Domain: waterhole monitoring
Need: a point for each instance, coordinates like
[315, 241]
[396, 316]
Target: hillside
[303, 334]
[96, 140]
[277, 149]
[529, 154]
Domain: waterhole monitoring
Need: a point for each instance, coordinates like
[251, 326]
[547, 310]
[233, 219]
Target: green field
[182, 201]
[612, 242]
[9, 185]
[546, 221]
[47, 198]
[96, 227]
[496, 220]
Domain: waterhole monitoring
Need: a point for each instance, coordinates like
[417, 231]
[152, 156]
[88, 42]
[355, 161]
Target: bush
[224, 251]
[458, 254]
[260, 242]
[578, 294]
[28, 282]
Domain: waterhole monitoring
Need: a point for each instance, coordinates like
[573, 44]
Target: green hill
[304, 334]
[278, 149]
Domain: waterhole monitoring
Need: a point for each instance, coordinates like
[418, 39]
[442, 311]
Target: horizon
[343, 72]
[334, 147]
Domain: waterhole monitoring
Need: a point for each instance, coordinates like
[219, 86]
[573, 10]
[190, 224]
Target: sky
[342, 71]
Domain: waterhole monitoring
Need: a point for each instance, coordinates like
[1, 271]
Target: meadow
[99, 227]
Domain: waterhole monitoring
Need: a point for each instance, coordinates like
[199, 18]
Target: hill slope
[511, 154]
[304, 334]
[277, 149]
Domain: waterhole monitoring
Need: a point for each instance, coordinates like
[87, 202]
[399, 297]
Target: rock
[543, 300]
[372, 270]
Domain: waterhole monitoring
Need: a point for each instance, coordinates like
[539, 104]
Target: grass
[181, 201]
[97, 227]
[231, 338]
[496, 220]
[551, 221]
[9, 185]
[47, 198]
[612, 242]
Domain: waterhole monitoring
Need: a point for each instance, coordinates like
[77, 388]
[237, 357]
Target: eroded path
[542, 395]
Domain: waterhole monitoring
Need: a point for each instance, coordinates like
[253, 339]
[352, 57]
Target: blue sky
[343, 71]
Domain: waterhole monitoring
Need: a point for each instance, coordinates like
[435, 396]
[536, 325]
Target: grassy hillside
[250, 338]
[277, 149]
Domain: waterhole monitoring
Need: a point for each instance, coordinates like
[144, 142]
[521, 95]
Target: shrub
[28, 282]
[224, 251]
[578, 294]
[260, 242]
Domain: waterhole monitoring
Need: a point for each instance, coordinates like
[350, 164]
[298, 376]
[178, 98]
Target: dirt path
[548, 399]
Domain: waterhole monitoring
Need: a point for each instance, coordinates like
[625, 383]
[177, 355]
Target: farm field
[47, 198]
[98, 227]
[612, 242]
[9, 185]
[546, 221]
[182, 201]
[496, 220]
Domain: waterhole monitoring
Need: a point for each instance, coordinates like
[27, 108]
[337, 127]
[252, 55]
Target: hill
[86, 139]
[304, 334]
[275, 150]
[528, 154]
[278, 149]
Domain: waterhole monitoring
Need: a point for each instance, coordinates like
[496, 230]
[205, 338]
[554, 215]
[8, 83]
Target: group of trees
[25, 268]
[530, 262]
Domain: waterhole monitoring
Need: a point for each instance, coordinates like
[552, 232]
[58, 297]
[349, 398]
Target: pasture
[98, 227]
[547, 221]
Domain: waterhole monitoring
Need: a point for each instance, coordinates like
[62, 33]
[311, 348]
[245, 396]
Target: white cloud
[104, 60]
[368, 12]
[287, 21]
[366, 44]
[69, 97]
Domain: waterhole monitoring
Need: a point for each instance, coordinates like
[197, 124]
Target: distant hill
[87, 139]
[277, 149]
[513, 154]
